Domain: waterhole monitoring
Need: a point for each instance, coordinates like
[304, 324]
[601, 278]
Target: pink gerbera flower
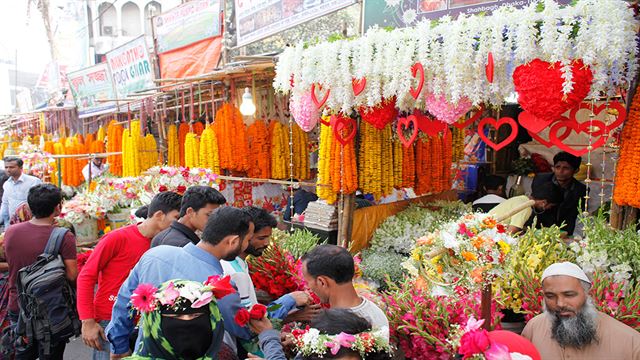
[144, 298]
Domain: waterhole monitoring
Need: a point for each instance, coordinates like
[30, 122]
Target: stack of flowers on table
[83, 206]
[470, 252]
[36, 162]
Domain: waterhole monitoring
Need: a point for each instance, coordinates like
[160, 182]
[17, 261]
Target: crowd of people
[177, 286]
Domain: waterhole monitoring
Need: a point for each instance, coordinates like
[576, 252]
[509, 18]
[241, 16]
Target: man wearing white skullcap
[571, 327]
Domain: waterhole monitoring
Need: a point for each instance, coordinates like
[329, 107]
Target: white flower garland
[454, 53]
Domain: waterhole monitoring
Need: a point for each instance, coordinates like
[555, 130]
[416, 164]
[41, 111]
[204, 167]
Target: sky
[25, 35]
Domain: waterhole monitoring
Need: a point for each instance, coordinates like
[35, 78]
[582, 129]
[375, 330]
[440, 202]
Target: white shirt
[374, 314]
[15, 193]
[95, 171]
[490, 199]
[238, 270]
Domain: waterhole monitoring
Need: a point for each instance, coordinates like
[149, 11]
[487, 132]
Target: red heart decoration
[539, 87]
[622, 112]
[340, 123]
[325, 123]
[429, 125]
[497, 124]
[583, 127]
[358, 85]
[489, 68]
[415, 69]
[532, 123]
[406, 122]
[471, 120]
[314, 97]
[546, 142]
[380, 115]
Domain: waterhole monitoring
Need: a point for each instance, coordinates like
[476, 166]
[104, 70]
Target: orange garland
[183, 130]
[408, 167]
[259, 150]
[627, 181]
[344, 170]
[114, 144]
[232, 143]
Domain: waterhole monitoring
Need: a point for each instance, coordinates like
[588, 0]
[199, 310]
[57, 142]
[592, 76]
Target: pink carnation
[144, 298]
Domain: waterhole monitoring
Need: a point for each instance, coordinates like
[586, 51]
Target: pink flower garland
[438, 106]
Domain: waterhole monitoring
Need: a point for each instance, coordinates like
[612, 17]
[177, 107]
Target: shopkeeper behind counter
[97, 168]
[301, 199]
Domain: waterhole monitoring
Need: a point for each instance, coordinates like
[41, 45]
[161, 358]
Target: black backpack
[47, 301]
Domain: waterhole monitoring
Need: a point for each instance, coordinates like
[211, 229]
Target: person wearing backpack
[42, 264]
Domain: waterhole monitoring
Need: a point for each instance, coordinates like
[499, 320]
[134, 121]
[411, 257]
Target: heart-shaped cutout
[488, 69]
[416, 69]
[546, 142]
[344, 128]
[497, 124]
[429, 125]
[358, 85]
[532, 123]
[622, 113]
[471, 120]
[539, 85]
[314, 97]
[325, 122]
[404, 124]
[578, 128]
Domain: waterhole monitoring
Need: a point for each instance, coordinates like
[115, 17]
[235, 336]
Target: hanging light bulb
[247, 108]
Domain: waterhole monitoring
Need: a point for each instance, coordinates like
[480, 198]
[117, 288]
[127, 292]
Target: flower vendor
[565, 166]
[109, 265]
[299, 202]
[546, 197]
[198, 203]
[225, 236]
[329, 271]
[571, 327]
[95, 168]
[493, 187]
[181, 319]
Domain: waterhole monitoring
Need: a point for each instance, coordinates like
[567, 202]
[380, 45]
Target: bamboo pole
[615, 218]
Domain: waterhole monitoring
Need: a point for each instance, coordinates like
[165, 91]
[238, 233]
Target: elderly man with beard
[571, 327]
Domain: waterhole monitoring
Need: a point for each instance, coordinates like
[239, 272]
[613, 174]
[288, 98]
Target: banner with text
[130, 67]
[403, 13]
[186, 24]
[90, 85]
[258, 19]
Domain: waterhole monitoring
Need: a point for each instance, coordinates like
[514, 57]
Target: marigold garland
[627, 181]
[300, 149]
[375, 170]
[173, 148]
[100, 136]
[424, 167]
[192, 152]
[279, 150]
[408, 167]
[208, 155]
[259, 150]
[344, 170]
[232, 139]
[183, 130]
[324, 188]
[149, 156]
[447, 174]
[457, 145]
[198, 128]
[114, 144]
[131, 145]
[397, 162]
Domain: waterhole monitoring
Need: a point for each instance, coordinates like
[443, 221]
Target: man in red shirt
[24, 242]
[109, 265]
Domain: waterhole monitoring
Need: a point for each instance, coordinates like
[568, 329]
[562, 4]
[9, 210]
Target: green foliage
[381, 267]
[298, 242]
[522, 166]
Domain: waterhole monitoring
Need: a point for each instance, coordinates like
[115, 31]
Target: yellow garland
[208, 155]
[191, 148]
[279, 150]
[324, 190]
[458, 144]
[101, 134]
[131, 145]
[150, 153]
[173, 156]
[301, 169]
[397, 163]
[376, 168]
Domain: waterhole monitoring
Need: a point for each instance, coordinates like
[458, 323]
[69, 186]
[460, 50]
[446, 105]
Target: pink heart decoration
[404, 124]
[497, 124]
[314, 97]
[439, 107]
[304, 112]
[539, 87]
[358, 85]
[339, 123]
[415, 69]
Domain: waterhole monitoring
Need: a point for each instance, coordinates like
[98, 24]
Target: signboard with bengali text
[131, 68]
[186, 24]
[89, 86]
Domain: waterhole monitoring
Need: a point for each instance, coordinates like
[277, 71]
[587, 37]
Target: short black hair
[574, 161]
[332, 261]
[336, 321]
[197, 197]
[547, 191]
[166, 202]
[226, 221]
[261, 218]
[43, 199]
[142, 212]
[493, 182]
[14, 159]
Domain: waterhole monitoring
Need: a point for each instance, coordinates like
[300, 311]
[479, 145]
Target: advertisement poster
[404, 13]
[258, 19]
[130, 67]
[186, 24]
[90, 85]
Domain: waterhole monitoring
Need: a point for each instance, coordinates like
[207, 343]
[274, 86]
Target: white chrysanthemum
[409, 16]
[449, 241]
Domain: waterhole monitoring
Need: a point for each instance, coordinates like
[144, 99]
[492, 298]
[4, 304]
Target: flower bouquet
[83, 206]
[470, 252]
[617, 299]
[275, 271]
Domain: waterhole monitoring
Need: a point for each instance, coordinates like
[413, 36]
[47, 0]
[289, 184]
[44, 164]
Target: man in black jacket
[198, 202]
[565, 166]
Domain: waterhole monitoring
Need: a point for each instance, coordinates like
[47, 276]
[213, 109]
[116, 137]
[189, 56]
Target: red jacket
[108, 266]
